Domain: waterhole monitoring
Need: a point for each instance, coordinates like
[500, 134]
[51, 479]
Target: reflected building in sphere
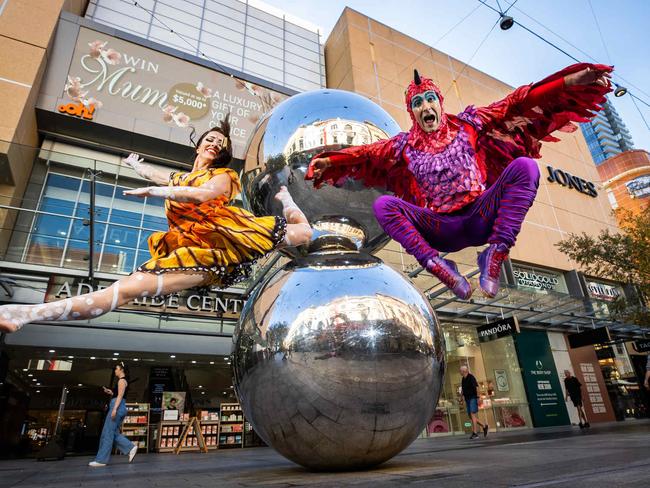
[332, 134]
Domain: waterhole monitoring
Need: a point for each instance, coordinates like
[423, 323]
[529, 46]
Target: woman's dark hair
[125, 368]
[224, 157]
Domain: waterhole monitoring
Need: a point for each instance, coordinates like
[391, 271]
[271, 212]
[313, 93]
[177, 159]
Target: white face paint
[426, 109]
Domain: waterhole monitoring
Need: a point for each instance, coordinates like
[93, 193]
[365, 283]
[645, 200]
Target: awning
[547, 309]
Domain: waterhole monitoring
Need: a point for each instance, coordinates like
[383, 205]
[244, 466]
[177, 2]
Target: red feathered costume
[471, 181]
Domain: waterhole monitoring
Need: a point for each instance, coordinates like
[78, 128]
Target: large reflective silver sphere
[338, 361]
[285, 141]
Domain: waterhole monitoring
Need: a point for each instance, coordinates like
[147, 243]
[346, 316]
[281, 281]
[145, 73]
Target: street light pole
[94, 174]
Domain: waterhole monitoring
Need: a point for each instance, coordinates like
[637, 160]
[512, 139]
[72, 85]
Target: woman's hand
[136, 163]
[319, 165]
[588, 76]
[147, 171]
[114, 414]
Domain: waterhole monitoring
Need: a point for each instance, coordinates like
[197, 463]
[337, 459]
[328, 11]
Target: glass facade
[233, 33]
[495, 365]
[620, 380]
[58, 231]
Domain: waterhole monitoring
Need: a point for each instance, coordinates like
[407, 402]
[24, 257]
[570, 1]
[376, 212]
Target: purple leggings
[494, 217]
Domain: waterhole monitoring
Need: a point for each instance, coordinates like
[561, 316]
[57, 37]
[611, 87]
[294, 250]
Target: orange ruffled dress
[212, 236]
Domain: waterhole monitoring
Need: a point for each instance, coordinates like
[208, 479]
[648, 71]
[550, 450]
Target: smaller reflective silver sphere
[338, 361]
[285, 141]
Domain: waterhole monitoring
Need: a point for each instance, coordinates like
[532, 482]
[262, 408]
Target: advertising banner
[173, 401]
[598, 407]
[541, 380]
[124, 85]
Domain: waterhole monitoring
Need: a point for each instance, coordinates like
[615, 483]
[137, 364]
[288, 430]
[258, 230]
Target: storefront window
[505, 386]
[621, 382]
[495, 365]
[38, 380]
[604, 295]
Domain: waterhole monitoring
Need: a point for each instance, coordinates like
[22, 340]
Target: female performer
[209, 243]
[467, 179]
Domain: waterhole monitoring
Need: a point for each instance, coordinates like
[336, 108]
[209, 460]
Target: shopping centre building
[67, 228]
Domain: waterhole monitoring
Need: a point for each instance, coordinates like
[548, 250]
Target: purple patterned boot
[489, 263]
[447, 272]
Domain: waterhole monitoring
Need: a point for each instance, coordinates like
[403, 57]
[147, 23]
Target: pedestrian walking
[573, 389]
[469, 387]
[116, 412]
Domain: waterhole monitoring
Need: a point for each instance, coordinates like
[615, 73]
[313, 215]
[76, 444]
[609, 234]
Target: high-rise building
[607, 134]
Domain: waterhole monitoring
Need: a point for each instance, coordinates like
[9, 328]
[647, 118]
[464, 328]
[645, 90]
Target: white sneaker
[132, 453]
[95, 464]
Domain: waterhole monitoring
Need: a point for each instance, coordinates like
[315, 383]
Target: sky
[616, 33]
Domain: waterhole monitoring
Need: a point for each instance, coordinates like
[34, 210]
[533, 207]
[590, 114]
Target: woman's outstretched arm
[218, 186]
[147, 171]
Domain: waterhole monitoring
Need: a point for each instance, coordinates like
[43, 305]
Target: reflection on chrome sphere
[285, 141]
[338, 361]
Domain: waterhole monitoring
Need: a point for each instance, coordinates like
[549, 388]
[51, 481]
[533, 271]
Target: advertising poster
[174, 401]
[545, 396]
[121, 84]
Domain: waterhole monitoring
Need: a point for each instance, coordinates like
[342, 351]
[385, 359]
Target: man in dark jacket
[573, 389]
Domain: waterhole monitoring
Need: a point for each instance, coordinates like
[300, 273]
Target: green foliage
[622, 256]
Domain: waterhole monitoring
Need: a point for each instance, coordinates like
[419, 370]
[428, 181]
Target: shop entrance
[35, 378]
[502, 403]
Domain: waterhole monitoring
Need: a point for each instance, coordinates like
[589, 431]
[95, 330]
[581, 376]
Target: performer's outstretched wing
[516, 125]
[379, 164]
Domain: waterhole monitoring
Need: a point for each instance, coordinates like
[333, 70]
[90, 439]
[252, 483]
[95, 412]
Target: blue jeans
[111, 434]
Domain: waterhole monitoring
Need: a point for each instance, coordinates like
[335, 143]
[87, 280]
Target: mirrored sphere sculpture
[285, 141]
[338, 361]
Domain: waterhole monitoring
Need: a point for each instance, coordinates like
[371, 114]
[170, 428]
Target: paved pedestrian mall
[612, 455]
